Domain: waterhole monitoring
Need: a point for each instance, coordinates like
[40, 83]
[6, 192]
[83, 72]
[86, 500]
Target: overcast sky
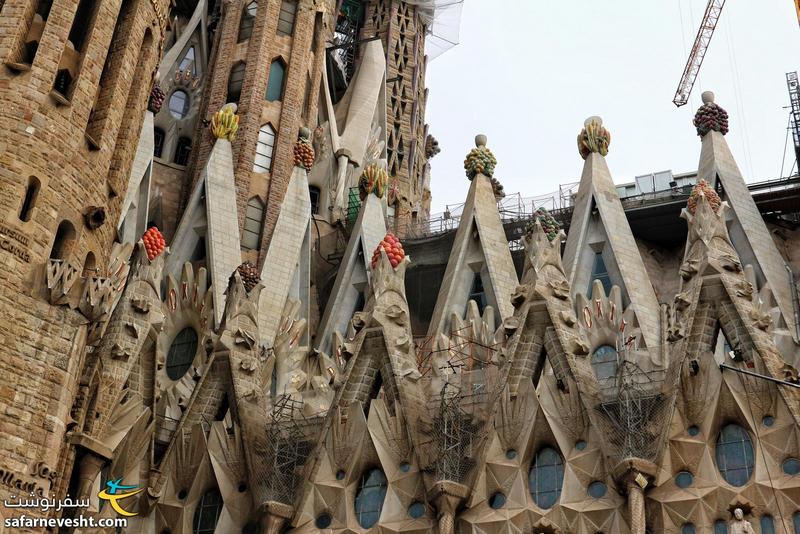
[528, 72]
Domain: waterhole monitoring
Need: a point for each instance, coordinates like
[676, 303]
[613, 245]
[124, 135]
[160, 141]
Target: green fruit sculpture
[703, 188]
[480, 159]
[550, 226]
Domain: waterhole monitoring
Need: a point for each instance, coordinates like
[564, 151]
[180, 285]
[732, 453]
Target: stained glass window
[370, 496]
[546, 478]
[767, 524]
[735, 458]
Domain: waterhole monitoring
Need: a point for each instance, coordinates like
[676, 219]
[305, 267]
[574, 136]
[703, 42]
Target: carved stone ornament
[94, 217]
[593, 138]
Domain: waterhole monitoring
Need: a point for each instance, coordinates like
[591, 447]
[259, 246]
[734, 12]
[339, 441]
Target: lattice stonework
[404, 42]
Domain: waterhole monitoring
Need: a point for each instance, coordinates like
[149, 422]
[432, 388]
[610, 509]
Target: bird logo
[115, 492]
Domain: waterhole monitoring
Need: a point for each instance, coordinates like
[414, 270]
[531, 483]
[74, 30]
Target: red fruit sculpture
[394, 250]
[154, 243]
[705, 188]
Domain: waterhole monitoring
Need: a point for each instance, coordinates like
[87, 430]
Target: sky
[527, 73]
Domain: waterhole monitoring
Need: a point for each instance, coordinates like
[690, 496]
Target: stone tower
[73, 93]
[267, 59]
[402, 28]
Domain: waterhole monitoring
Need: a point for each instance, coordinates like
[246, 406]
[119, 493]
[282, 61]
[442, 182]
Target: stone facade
[239, 394]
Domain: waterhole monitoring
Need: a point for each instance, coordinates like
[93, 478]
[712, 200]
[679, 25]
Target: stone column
[90, 466]
[447, 495]
[636, 506]
[274, 515]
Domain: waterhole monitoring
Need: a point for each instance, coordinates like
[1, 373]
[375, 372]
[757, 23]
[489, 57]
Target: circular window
[181, 353]
[597, 489]
[340, 474]
[416, 510]
[242, 487]
[511, 454]
[497, 500]
[323, 521]
[684, 479]
[182, 494]
[405, 467]
[735, 458]
[179, 104]
[580, 445]
[546, 478]
[791, 466]
[693, 430]
[768, 420]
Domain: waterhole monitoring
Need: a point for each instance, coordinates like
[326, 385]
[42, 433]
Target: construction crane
[699, 48]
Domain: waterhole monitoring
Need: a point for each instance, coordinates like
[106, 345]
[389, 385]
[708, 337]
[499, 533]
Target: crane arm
[701, 42]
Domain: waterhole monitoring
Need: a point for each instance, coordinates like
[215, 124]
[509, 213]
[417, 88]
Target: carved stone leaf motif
[730, 262]
[568, 317]
[580, 347]
[688, 269]
[744, 289]
[763, 321]
[560, 288]
[243, 337]
[396, 314]
[119, 353]
[519, 296]
[249, 364]
[131, 329]
[253, 394]
[510, 325]
[141, 305]
[403, 342]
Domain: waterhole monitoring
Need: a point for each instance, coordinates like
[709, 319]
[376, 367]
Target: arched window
[235, 82]
[64, 241]
[767, 524]
[264, 148]
[188, 63]
[89, 265]
[253, 224]
[735, 458]
[183, 150]
[179, 104]
[80, 24]
[207, 512]
[477, 292]
[604, 362]
[687, 528]
[313, 193]
[247, 20]
[370, 496]
[286, 17]
[546, 478]
[181, 353]
[600, 272]
[29, 200]
[720, 527]
[277, 73]
[158, 142]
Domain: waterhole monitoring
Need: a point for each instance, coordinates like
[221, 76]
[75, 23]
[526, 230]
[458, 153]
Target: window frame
[264, 148]
[545, 497]
[287, 18]
[269, 94]
[186, 101]
[744, 441]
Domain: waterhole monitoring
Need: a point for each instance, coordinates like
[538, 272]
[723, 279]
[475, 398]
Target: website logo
[115, 492]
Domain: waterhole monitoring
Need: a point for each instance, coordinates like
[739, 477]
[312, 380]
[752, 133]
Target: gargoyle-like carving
[243, 337]
[560, 288]
[729, 262]
[688, 269]
[519, 296]
[249, 364]
[140, 304]
[568, 317]
[119, 352]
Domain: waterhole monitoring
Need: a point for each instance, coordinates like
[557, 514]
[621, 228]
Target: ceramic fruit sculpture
[156, 98]
[374, 179]
[710, 116]
[549, 224]
[593, 138]
[249, 274]
[225, 123]
[703, 188]
[154, 243]
[480, 159]
[303, 150]
[393, 248]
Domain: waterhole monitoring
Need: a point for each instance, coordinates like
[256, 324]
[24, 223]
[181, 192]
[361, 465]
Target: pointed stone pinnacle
[480, 140]
[708, 97]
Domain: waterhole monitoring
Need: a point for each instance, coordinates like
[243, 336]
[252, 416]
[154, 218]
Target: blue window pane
[600, 272]
[604, 362]
[477, 292]
[497, 500]
[207, 512]
[720, 527]
[693, 430]
[688, 528]
[791, 466]
[369, 500]
[735, 458]
[767, 525]
[277, 70]
[796, 522]
[684, 479]
[546, 478]
[580, 445]
[416, 510]
[597, 489]
[323, 521]
[768, 420]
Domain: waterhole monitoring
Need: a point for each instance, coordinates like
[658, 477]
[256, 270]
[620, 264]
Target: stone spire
[749, 233]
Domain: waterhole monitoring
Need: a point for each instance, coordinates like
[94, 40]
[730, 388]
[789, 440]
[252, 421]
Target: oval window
[179, 104]
[735, 458]
[791, 466]
[497, 500]
[416, 510]
[546, 477]
[370, 496]
[181, 353]
[604, 362]
[684, 479]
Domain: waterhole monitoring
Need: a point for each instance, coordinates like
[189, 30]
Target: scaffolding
[290, 438]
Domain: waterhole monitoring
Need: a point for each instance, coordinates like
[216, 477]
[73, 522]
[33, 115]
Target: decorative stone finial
[225, 122]
[593, 138]
[710, 116]
[303, 150]
[393, 248]
[480, 159]
[374, 179]
[249, 274]
[549, 224]
[156, 98]
[702, 188]
[154, 243]
[431, 146]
